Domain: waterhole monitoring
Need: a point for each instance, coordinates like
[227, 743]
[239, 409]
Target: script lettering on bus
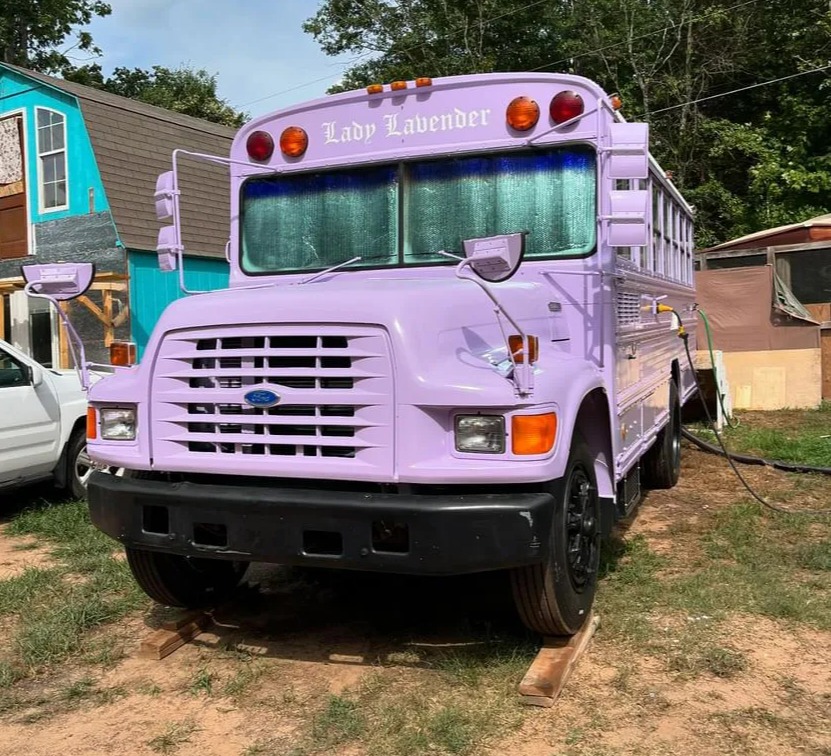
[396, 126]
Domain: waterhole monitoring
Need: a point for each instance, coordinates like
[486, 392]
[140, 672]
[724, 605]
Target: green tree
[183, 90]
[747, 160]
[32, 30]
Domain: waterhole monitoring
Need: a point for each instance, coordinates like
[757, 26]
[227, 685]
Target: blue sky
[256, 47]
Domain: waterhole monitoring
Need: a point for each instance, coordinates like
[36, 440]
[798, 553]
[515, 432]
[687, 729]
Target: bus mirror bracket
[61, 282]
[494, 259]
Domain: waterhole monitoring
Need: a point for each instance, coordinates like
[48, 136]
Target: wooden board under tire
[553, 665]
[174, 634]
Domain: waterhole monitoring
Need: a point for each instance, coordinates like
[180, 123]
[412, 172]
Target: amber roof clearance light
[522, 114]
[293, 141]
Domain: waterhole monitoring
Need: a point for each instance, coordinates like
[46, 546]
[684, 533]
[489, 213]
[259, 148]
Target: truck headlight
[480, 433]
[118, 424]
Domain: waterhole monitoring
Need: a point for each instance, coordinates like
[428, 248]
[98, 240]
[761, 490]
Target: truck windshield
[404, 214]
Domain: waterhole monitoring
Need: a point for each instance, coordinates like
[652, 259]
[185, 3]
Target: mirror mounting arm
[79, 357]
[523, 373]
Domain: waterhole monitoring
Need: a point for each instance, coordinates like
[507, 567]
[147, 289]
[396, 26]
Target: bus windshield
[404, 214]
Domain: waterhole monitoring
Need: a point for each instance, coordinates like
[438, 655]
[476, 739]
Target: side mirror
[58, 281]
[629, 151]
[627, 222]
[167, 248]
[35, 375]
[495, 258]
[164, 194]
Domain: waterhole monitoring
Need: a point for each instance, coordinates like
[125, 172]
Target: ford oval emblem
[262, 398]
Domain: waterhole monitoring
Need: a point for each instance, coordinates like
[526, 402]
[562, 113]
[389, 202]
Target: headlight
[480, 433]
[118, 424]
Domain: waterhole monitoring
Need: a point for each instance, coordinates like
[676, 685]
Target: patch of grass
[173, 736]
[749, 561]
[267, 747]
[202, 682]
[801, 441]
[716, 660]
[247, 674]
[55, 608]
[339, 722]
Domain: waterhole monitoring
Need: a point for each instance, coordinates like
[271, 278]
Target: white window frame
[40, 155]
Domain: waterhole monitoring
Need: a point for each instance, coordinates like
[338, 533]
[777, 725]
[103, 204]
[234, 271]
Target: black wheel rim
[581, 527]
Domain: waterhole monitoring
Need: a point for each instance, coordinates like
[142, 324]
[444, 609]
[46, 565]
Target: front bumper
[419, 534]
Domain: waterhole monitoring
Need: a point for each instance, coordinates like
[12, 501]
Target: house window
[52, 159]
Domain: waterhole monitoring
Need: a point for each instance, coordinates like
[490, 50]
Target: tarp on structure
[752, 310]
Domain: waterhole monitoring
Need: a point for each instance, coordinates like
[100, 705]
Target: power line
[354, 60]
[693, 20]
[736, 91]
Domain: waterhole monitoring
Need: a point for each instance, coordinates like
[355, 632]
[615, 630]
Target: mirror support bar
[79, 357]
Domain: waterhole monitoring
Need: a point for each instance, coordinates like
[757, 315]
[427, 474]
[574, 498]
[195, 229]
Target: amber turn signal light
[293, 141]
[123, 353]
[533, 434]
[517, 347]
[92, 423]
[522, 114]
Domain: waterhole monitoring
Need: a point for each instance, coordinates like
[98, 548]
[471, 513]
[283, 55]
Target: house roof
[133, 143]
[811, 230]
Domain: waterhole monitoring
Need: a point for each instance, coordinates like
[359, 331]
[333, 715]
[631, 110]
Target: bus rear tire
[556, 597]
[187, 582]
[661, 465]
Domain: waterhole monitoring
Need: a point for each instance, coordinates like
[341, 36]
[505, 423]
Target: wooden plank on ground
[174, 634]
[553, 665]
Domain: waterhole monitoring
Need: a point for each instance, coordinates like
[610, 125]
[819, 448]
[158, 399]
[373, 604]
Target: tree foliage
[183, 90]
[747, 161]
[32, 30]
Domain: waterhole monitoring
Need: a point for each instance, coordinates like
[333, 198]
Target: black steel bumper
[405, 533]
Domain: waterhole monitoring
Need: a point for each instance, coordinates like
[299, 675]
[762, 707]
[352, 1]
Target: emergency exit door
[14, 224]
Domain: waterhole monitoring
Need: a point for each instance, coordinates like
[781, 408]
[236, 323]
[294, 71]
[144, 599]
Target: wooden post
[2, 316]
[109, 331]
[63, 343]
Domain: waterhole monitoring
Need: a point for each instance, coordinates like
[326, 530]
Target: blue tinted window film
[313, 221]
[550, 194]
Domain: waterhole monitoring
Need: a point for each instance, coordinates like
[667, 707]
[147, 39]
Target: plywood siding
[770, 380]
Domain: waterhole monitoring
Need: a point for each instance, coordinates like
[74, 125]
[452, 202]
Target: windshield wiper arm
[329, 270]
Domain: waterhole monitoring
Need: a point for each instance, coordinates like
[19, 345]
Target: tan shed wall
[770, 380]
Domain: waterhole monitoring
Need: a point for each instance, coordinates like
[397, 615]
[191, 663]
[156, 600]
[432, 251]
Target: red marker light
[260, 146]
[565, 106]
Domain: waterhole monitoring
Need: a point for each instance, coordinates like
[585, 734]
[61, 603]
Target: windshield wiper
[329, 270]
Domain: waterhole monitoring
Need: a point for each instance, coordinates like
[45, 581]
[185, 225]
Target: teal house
[77, 174]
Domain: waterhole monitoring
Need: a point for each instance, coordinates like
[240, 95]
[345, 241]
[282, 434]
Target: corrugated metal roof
[821, 221]
[133, 143]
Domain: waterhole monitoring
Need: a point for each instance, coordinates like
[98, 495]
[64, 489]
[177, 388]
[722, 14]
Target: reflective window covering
[316, 220]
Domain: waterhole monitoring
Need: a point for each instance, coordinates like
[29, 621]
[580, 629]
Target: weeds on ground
[174, 735]
[752, 562]
[54, 608]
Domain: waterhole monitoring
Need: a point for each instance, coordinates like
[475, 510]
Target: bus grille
[628, 308]
[334, 386]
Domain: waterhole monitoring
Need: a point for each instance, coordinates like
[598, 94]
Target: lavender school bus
[447, 347]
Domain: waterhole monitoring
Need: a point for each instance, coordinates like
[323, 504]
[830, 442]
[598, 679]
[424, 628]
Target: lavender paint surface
[372, 366]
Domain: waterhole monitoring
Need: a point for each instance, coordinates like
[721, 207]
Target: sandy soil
[313, 635]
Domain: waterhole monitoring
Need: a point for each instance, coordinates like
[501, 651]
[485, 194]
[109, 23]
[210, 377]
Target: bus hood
[438, 329]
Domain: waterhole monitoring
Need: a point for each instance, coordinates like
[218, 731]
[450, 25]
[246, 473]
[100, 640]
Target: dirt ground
[256, 681]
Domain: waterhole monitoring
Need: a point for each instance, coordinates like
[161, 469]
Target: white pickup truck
[42, 424]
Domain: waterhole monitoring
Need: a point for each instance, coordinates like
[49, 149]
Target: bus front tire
[661, 465]
[556, 597]
[187, 582]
